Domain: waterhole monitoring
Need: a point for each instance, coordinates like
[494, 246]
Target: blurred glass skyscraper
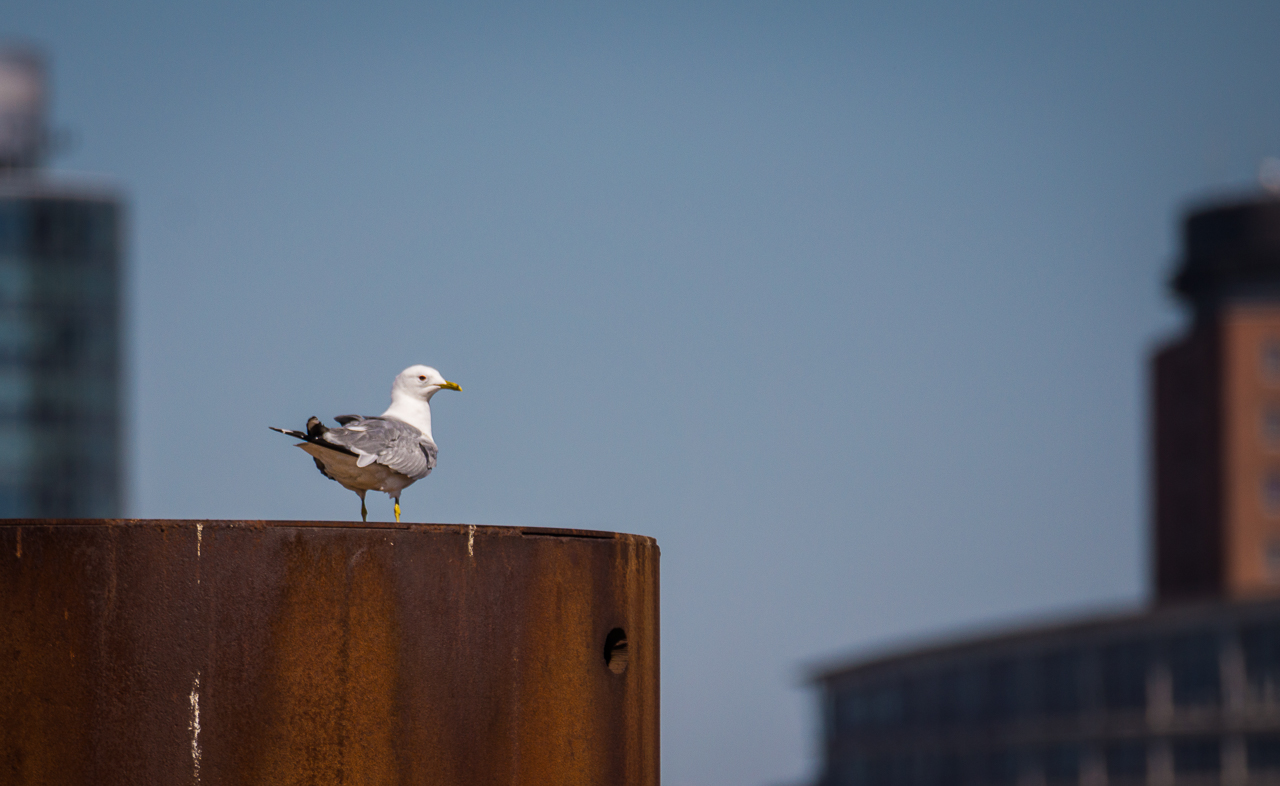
[60, 270]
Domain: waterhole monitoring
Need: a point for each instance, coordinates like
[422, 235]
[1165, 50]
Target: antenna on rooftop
[24, 137]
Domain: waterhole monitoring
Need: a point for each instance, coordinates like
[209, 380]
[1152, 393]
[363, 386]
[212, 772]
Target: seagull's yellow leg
[364, 512]
[397, 511]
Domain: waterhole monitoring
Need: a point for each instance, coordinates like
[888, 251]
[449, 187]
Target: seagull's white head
[421, 382]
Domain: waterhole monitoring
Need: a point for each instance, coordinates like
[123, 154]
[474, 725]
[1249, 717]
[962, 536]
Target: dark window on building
[1028, 687]
[1261, 644]
[1002, 690]
[1193, 667]
[851, 710]
[926, 770]
[952, 770]
[889, 770]
[1271, 491]
[879, 771]
[1271, 426]
[1124, 675]
[1271, 360]
[924, 700]
[73, 233]
[13, 219]
[949, 697]
[59, 294]
[1000, 767]
[887, 705]
[1126, 760]
[1061, 764]
[853, 770]
[1060, 683]
[1272, 560]
[1263, 751]
[1197, 756]
[971, 694]
[904, 770]
[871, 706]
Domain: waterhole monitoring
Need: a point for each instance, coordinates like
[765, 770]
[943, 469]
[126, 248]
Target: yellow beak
[451, 386]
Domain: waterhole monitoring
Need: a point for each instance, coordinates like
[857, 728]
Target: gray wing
[389, 442]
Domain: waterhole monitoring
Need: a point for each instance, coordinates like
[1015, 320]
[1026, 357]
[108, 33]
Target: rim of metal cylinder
[491, 529]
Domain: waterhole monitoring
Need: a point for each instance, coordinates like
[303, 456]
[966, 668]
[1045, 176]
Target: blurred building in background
[1186, 691]
[60, 321]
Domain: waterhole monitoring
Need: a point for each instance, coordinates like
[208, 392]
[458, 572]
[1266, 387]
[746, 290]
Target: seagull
[386, 453]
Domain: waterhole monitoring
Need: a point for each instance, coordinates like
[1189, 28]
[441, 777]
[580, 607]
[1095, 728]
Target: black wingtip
[315, 429]
[289, 432]
[316, 439]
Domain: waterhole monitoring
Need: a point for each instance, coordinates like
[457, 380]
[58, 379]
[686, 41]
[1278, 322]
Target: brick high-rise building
[1185, 692]
[1217, 412]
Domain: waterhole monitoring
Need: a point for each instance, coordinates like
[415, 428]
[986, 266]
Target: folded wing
[387, 441]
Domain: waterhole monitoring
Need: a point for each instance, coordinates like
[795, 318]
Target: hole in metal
[616, 654]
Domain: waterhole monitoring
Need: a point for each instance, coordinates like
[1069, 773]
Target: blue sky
[849, 305]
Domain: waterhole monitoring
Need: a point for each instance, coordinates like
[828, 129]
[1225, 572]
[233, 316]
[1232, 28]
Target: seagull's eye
[422, 379]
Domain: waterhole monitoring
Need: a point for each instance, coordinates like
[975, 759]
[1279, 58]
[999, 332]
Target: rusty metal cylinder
[268, 652]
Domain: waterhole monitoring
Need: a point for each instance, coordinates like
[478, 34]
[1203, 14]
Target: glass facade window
[1002, 690]
[1197, 756]
[1060, 686]
[1124, 675]
[926, 769]
[951, 770]
[1271, 426]
[887, 705]
[1126, 760]
[945, 698]
[852, 770]
[59, 356]
[889, 770]
[1271, 560]
[1015, 717]
[1000, 767]
[1261, 645]
[949, 697]
[1271, 360]
[1271, 491]
[1263, 752]
[866, 707]
[925, 700]
[1194, 670]
[971, 694]
[850, 710]
[1061, 764]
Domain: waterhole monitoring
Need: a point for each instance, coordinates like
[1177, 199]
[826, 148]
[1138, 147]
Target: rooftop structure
[1186, 691]
[23, 135]
[1217, 411]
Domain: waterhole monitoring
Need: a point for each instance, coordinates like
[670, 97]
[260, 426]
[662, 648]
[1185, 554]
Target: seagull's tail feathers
[315, 430]
[316, 437]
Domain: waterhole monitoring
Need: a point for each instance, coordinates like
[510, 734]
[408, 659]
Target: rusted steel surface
[242, 652]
